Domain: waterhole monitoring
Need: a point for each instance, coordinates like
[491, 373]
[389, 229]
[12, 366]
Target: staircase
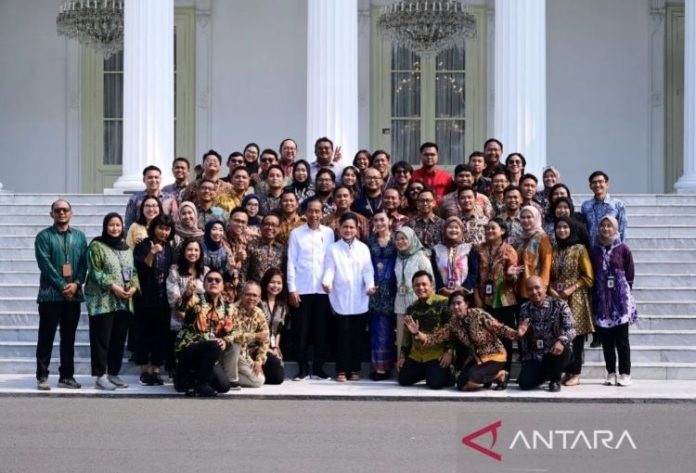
[661, 235]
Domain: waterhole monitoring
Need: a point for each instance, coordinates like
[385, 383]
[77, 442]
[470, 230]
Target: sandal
[341, 377]
[354, 377]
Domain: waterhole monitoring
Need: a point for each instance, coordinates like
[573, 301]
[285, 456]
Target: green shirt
[106, 267]
[53, 249]
[431, 315]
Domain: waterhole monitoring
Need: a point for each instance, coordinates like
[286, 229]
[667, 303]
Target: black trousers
[351, 329]
[615, 340]
[152, 329]
[479, 374]
[575, 365]
[309, 328]
[107, 338]
[51, 315]
[198, 364]
[508, 316]
[273, 369]
[436, 377]
[534, 373]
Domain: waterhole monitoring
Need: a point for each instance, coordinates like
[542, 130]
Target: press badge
[488, 289]
[126, 274]
[610, 282]
[67, 270]
[540, 344]
[559, 287]
[402, 290]
[451, 285]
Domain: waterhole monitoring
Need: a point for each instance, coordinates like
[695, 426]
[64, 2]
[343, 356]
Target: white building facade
[597, 84]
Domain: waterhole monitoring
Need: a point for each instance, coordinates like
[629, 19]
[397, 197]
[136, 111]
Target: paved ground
[589, 390]
[77, 434]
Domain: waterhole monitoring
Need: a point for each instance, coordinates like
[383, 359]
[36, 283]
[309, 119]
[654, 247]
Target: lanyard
[451, 270]
[64, 244]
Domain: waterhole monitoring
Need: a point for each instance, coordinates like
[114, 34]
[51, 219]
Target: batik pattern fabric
[428, 230]
[107, 266]
[494, 263]
[431, 315]
[383, 263]
[613, 306]
[594, 210]
[549, 322]
[572, 266]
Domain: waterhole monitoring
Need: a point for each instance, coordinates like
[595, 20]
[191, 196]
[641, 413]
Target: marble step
[668, 217]
[659, 209]
[656, 231]
[78, 221]
[653, 254]
[649, 354]
[645, 199]
[666, 307]
[74, 199]
[79, 209]
[30, 230]
[645, 370]
[30, 318]
[21, 365]
[644, 243]
[27, 349]
[647, 294]
[21, 333]
[663, 337]
[666, 266]
[17, 264]
[663, 279]
[666, 322]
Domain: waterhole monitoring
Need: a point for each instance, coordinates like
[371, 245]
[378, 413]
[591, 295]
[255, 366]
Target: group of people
[213, 280]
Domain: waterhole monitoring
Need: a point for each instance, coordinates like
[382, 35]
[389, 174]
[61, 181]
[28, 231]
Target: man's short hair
[214, 153]
[60, 200]
[151, 167]
[499, 171]
[463, 168]
[511, 188]
[598, 173]
[323, 171]
[234, 154]
[493, 140]
[466, 188]
[476, 154]
[239, 210]
[323, 139]
[377, 153]
[280, 147]
[401, 165]
[529, 176]
[182, 160]
[421, 273]
[270, 151]
[203, 180]
[240, 169]
[276, 166]
[429, 144]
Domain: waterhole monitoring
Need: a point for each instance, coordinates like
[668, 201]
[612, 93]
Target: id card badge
[559, 287]
[540, 344]
[488, 289]
[67, 271]
[451, 285]
[402, 290]
[611, 282]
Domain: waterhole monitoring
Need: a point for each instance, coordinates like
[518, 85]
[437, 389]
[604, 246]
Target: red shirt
[440, 181]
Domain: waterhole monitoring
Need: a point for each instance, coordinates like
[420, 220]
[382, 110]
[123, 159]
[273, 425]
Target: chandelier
[94, 23]
[426, 27]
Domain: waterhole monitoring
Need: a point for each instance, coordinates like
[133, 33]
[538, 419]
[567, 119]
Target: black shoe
[554, 386]
[146, 379]
[205, 390]
[156, 379]
[68, 383]
[319, 374]
[596, 342]
[502, 385]
[375, 376]
[301, 374]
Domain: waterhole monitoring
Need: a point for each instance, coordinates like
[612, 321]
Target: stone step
[664, 279]
[665, 265]
[647, 294]
[644, 243]
[30, 230]
[74, 199]
[18, 290]
[659, 209]
[641, 255]
[19, 264]
[645, 199]
[666, 322]
[19, 277]
[30, 334]
[79, 209]
[45, 219]
[27, 349]
[645, 370]
[667, 218]
[666, 307]
[30, 318]
[656, 231]
[650, 354]
[663, 337]
[22, 365]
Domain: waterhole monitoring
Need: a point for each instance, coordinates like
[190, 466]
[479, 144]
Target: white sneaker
[611, 379]
[104, 384]
[624, 380]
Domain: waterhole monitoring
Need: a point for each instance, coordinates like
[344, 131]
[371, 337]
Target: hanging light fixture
[426, 27]
[94, 23]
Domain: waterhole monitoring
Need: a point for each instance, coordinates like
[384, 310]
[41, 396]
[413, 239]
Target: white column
[520, 79]
[687, 183]
[332, 74]
[148, 91]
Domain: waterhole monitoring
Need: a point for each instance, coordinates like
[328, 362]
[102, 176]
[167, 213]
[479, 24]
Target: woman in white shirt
[349, 280]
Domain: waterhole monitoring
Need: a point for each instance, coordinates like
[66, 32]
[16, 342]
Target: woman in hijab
[571, 280]
[187, 225]
[112, 282]
[612, 301]
[563, 207]
[252, 204]
[534, 251]
[456, 263]
[215, 254]
[301, 184]
[411, 258]
[551, 176]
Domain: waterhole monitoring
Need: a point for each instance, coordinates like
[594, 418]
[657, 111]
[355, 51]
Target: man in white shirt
[307, 249]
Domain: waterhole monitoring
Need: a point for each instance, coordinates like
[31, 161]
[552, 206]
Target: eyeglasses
[415, 189]
[328, 179]
[213, 280]
[207, 189]
[240, 222]
[267, 160]
[425, 201]
[514, 161]
[59, 210]
[236, 162]
[401, 171]
[372, 178]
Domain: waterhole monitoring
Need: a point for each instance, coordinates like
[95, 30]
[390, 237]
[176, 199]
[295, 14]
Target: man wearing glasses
[326, 158]
[205, 204]
[61, 253]
[152, 176]
[235, 160]
[603, 204]
[371, 200]
[427, 226]
[266, 252]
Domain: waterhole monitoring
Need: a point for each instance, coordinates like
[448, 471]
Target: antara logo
[550, 440]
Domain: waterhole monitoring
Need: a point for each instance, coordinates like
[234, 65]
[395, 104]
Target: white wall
[598, 91]
[259, 74]
[32, 97]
